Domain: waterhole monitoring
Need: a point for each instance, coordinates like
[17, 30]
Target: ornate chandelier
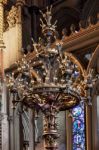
[52, 81]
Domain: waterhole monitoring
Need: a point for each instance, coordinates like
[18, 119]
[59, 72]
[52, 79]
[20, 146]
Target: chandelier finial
[48, 28]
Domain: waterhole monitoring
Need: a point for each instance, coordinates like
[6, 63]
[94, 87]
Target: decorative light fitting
[51, 82]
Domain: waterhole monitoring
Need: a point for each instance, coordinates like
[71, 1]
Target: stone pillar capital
[2, 45]
[3, 2]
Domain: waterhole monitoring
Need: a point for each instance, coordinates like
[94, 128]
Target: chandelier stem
[50, 129]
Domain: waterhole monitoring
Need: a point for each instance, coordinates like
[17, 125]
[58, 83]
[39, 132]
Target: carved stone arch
[93, 113]
[69, 119]
[94, 61]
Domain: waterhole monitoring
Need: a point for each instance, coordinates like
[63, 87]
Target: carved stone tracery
[12, 17]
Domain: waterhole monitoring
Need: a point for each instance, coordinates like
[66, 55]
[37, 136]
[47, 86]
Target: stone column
[15, 125]
[20, 4]
[18, 127]
[11, 122]
[94, 124]
[2, 2]
[68, 131]
[31, 130]
[88, 127]
[4, 122]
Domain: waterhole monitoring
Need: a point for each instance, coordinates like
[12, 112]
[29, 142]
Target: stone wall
[12, 50]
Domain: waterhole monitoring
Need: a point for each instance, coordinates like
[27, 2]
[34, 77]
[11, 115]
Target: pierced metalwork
[52, 81]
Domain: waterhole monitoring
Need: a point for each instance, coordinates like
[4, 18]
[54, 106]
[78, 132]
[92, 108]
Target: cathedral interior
[49, 74]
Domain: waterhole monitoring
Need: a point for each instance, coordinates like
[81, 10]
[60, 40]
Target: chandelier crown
[48, 29]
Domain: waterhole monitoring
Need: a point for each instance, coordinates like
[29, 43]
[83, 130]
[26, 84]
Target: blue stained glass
[75, 74]
[77, 139]
[78, 131]
[76, 147]
[77, 111]
[78, 125]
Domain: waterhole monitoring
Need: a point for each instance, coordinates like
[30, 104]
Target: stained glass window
[78, 132]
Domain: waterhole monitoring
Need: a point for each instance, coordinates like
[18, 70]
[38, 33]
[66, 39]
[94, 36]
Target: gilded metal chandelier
[51, 82]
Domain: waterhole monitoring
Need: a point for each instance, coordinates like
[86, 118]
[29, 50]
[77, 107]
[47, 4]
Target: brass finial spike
[89, 21]
[42, 24]
[41, 21]
[34, 45]
[55, 22]
[80, 26]
[51, 8]
[32, 40]
[39, 38]
[41, 12]
[47, 26]
[64, 34]
[47, 8]
[72, 29]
